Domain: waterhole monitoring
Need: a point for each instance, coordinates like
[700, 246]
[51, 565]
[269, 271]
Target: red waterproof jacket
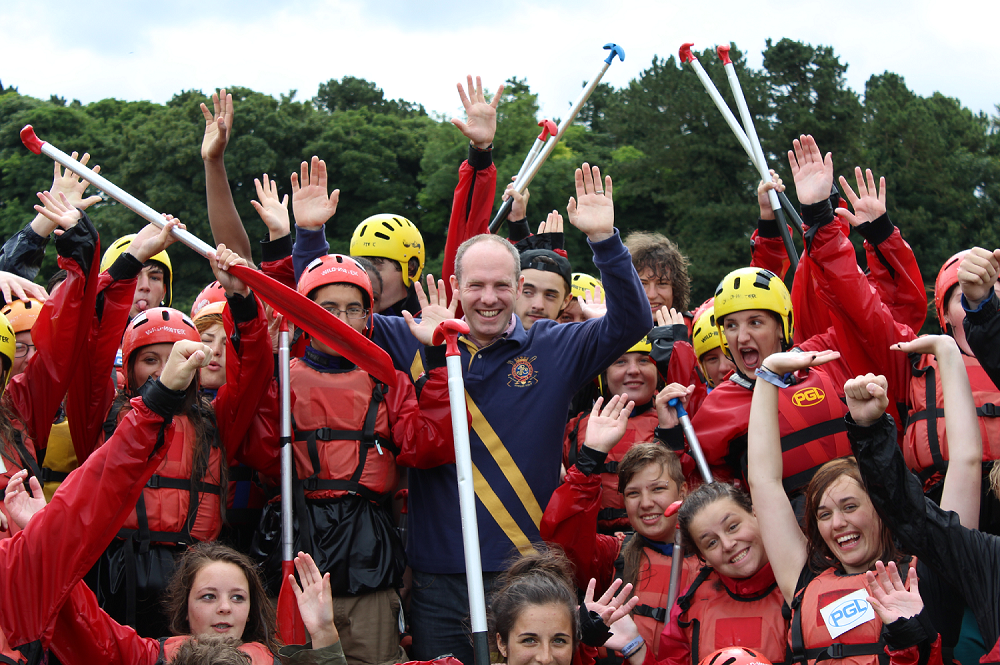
[471, 208]
[43, 563]
[58, 335]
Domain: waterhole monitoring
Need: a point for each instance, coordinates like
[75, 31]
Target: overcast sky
[417, 51]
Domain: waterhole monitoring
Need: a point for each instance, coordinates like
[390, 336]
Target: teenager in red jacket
[184, 502]
[650, 478]
[35, 394]
[351, 432]
[216, 591]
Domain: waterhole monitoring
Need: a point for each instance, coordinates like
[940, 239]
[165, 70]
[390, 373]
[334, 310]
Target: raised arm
[962, 481]
[784, 542]
[227, 227]
[570, 519]
[477, 176]
[977, 276]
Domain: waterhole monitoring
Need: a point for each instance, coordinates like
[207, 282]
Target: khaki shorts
[369, 628]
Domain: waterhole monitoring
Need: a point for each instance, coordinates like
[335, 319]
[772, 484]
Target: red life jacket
[810, 416]
[925, 445]
[813, 430]
[639, 429]
[809, 636]
[172, 509]
[653, 589]
[718, 612]
[342, 442]
[259, 654]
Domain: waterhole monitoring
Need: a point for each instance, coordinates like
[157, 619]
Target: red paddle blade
[291, 630]
[320, 324]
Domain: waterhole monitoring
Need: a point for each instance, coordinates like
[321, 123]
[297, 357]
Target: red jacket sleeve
[863, 325]
[59, 335]
[92, 388]
[249, 369]
[42, 563]
[893, 271]
[769, 253]
[570, 520]
[85, 634]
[471, 207]
[282, 270]
[422, 427]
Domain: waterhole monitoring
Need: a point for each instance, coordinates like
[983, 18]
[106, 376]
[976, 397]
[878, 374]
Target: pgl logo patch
[808, 397]
[848, 612]
[522, 373]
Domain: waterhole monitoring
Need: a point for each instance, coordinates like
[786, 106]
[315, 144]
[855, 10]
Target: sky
[418, 51]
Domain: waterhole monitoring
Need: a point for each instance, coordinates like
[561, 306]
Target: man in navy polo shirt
[519, 384]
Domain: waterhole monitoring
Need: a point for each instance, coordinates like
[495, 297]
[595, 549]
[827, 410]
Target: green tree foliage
[677, 168]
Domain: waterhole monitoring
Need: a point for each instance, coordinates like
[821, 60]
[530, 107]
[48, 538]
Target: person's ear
[501, 647]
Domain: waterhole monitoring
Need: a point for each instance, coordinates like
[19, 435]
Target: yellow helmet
[753, 288]
[582, 282]
[642, 346]
[390, 237]
[7, 343]
[22, 314]
[705, 338]
[119, 246]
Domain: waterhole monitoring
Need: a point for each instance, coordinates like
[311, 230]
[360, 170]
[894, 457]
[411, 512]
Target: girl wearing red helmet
[351, 433]
[184, 501]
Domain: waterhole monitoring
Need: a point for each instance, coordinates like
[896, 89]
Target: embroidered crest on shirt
[522, 373]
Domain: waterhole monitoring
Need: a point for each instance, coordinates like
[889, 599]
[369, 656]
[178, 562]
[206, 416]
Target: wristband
[632, 647]
[772, 378]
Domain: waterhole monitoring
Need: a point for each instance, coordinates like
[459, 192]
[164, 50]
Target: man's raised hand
[813, 173]
[14, 287]
[868, 203]
[480, 124]
[70, 184]
[218, 126]
[272, 209]
[310, 203]
[434, 308]
[222, 260]
[553, 223]
[593, 209]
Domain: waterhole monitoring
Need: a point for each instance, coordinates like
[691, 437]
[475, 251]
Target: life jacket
[639, 429]
[9, 656]
[60, 457]
[259, 654]
[810, 638]
[173, 509]
[718, 612]
[653, 589]
[925, 445]
[813, 430]
[341, 438]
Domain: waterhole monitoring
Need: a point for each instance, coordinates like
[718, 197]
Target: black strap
[620, 559]
[201, 487]
[658, 614]
[838, 650]
[50, 476]
[27, 459]
[611, 514]
[611, 467]
[685, 600]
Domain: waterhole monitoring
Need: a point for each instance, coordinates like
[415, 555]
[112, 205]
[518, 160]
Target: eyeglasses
[352, 312]
[21, 349]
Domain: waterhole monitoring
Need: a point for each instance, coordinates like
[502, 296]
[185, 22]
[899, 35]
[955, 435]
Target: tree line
[677, 167]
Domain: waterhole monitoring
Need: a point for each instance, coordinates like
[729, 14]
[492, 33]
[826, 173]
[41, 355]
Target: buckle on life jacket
[835, 650]
[989, 410]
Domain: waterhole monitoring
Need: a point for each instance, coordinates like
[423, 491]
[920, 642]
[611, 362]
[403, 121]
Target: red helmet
[160, 325]
[702, 308]
[22, 314]
[947, 277]
[735, 656]
[335, 269]
[211, 293]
